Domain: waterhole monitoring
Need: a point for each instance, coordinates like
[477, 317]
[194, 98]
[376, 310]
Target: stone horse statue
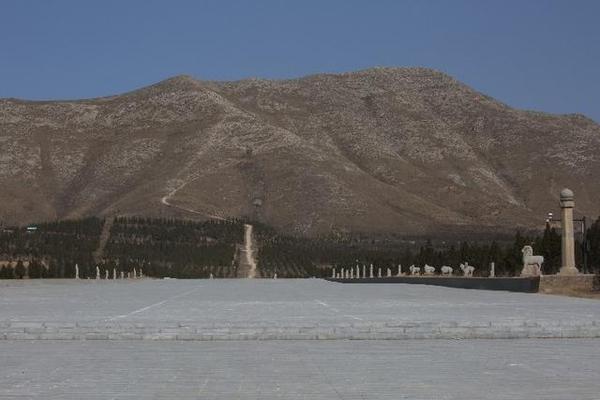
[532, 265]
[446, 270]
[429, 270]
[414, 270]
[467, 269]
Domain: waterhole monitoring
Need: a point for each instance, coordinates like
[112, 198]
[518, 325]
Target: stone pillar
[358, 272]
[379, 272]
[399, 269]
[364, 274]
[567, 202]
[76, 271]
[492, 270]
[389, 273]
[371, 271]
[333, 273]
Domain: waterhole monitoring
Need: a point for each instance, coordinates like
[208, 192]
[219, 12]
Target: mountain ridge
[383, 149]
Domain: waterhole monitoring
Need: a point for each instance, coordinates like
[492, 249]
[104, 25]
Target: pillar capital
[567, 198]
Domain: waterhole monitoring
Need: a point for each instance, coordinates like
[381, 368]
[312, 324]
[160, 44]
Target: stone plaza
[292, 339]
[241, 309]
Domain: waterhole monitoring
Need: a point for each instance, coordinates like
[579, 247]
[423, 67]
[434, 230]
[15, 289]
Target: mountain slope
[407, 150]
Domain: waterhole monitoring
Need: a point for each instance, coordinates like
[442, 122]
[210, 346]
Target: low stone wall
[565, 284]
[516, 284]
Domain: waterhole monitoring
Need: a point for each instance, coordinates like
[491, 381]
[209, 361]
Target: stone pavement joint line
[394, 331]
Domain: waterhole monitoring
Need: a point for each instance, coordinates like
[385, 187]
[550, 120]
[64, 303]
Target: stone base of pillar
[568, 271]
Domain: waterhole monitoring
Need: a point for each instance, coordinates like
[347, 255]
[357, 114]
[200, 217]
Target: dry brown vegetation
[406, 150]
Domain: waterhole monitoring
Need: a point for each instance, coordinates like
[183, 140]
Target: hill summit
[405, 150]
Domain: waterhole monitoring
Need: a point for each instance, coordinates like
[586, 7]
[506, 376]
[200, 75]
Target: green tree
[20, 270]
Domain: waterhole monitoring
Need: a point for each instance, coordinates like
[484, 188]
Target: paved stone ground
[417, 369]
[281, 309]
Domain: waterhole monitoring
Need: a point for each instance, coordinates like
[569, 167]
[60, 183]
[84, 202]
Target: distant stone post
[97, 272]
[106, 274]
[351, 273]
[379, 272]
[122, 275]
[364, 274]
[357, 272]
[399, 269]
[76, 271]
[492, 270]
[371, 271]
[114, 273]
[567, 202]
[333, 273]
[389, 273]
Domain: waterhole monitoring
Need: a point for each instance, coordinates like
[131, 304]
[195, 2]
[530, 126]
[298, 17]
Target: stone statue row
[122, 275]
[428, 270]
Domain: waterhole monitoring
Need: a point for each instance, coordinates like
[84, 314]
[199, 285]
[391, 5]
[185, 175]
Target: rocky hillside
[406, 150]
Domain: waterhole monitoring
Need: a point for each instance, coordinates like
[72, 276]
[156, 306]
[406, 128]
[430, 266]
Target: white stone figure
[467, 269]
[76, 271]
[211, 276]
[105, 274]
[492, 270]
[357, 272]
[532, 265]
[122, 275]
[379, 272]
[114, 273]
[364, 274]
[399, 270]
[429, 270]
[446, 270]
[414, 270]
[97, 272]
[389, 273]
[333, 273]
[371, 271]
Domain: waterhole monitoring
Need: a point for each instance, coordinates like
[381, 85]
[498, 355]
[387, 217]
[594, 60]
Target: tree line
[199, 249]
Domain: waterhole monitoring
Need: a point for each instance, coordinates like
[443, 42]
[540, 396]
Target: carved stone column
[567, 202]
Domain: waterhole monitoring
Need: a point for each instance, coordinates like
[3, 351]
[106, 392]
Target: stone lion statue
[532, 265]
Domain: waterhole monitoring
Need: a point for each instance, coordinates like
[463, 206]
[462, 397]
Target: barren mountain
[406, 150]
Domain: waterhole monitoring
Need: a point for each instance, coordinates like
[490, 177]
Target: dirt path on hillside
[249, 250]
[166, 200]
[104, 236]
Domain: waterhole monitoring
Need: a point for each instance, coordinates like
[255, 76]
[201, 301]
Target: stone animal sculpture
[414, 270]
[467, 269]
[429, 270]
[446, 270]
[532, 265]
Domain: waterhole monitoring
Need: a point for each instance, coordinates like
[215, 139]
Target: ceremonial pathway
[245, 309]
[532, 369]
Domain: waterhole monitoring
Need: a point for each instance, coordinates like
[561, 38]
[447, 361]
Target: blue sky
[534, 54]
